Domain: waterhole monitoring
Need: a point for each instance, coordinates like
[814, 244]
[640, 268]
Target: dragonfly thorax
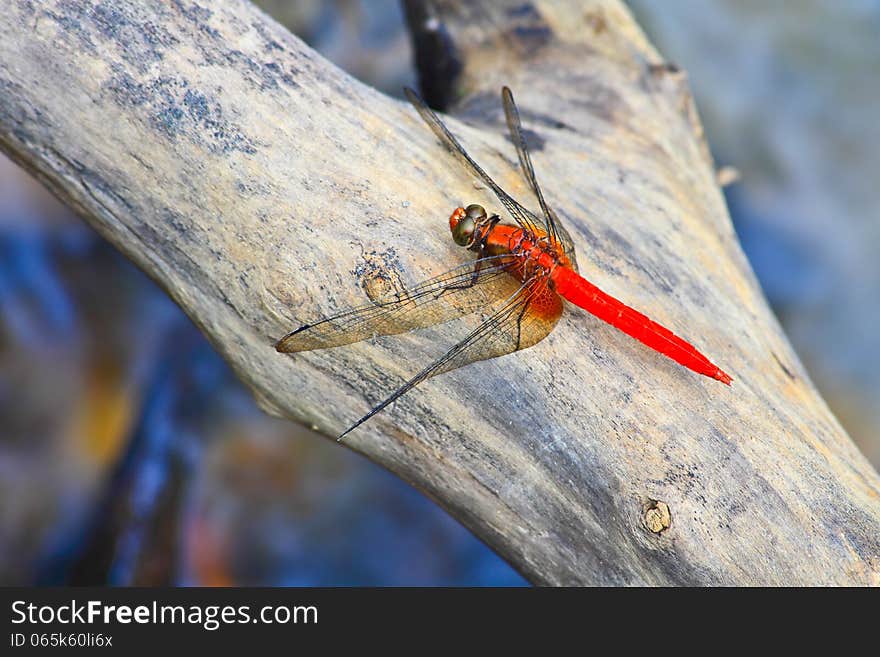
[474, 228]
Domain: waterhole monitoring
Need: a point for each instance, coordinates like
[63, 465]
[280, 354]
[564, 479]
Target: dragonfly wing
[523, 319]
[564, 239]
[460, 291]
[514, 125]
[520, 215]
[552, 225]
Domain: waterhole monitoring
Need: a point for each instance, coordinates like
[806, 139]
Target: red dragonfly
[518, 280]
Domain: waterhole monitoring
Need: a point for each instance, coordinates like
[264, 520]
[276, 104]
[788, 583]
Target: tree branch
[262, 188]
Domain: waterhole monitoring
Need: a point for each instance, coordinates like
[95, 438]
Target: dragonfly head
[464, 222]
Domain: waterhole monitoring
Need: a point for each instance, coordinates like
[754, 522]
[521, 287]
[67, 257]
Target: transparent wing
[551, 222]
[564, 239]
[518, 213]
[522, 319]
[460, 291]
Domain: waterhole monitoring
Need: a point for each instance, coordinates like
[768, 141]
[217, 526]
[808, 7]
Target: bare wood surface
[262, 188]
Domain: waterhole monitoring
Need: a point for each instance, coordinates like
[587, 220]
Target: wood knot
[656, 516]
[379, 274]
[597, 21]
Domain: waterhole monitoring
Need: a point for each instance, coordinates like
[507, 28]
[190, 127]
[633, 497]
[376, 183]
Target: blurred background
[153, 465]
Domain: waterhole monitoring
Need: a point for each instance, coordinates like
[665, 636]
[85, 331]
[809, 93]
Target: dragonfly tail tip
[724, 377]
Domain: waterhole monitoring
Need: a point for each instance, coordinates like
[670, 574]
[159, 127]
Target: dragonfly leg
[519, 320]
[473, 280]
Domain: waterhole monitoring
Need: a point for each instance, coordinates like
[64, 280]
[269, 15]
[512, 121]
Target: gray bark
[263, 188]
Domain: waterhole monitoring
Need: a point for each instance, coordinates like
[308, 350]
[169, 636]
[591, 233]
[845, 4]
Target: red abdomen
[582, 293]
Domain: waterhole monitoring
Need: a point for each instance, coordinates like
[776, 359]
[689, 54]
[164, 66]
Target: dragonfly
[523, 270]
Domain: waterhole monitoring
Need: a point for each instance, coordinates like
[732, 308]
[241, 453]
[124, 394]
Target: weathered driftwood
[262, 187]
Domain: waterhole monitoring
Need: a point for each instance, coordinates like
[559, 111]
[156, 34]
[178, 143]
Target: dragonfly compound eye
[475, 212]
[463, 231]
